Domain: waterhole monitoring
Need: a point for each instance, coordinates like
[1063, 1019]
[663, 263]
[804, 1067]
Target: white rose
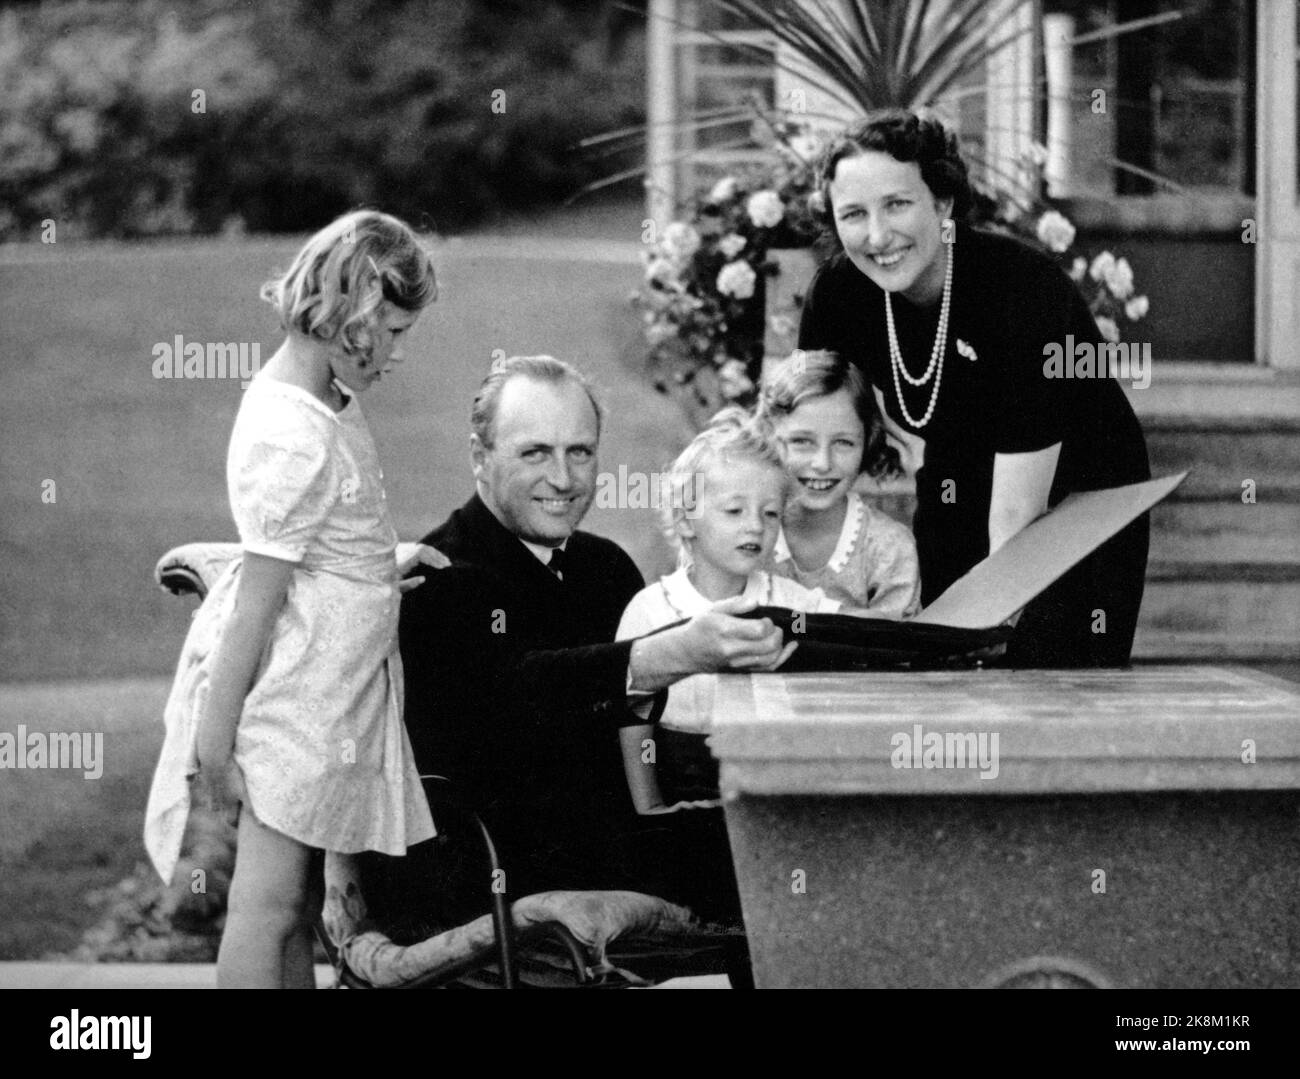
[1137, 307]
[680, 241]
[659, 270]
[1079, 268]
[737, 279]
[1119, 279]
[731, 245]
[1055, 231]
[659, 332]
[724, 190]
[807, 146]
[1108, 328]
[765, 209]
[733, 379]
[782, 325]
[1102, 264]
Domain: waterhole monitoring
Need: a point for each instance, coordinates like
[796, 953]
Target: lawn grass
[139, 465]
[66, 836]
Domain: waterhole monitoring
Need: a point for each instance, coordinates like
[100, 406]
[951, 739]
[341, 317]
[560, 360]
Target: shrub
[307, 110]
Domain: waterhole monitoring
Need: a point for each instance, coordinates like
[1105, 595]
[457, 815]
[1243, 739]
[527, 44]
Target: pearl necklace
[935, 367]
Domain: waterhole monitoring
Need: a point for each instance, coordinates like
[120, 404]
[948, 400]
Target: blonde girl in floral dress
[287, 704]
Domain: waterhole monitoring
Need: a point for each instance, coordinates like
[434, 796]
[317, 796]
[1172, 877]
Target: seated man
[515, 688]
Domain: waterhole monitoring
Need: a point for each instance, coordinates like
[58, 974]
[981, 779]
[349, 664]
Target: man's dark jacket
[515, 691]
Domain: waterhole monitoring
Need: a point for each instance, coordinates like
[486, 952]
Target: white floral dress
[321, 743]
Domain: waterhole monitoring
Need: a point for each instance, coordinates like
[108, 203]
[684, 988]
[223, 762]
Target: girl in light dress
[286, 711]
[825, 420]
[723, 505]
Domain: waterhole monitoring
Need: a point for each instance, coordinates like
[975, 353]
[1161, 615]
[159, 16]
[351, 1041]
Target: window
[1179, 97]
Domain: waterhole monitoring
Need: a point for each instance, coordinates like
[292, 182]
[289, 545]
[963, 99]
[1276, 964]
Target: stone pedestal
[1129, 829]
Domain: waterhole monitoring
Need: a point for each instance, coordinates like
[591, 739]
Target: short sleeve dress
[873, 566]
[1009, 302]
[321, 743]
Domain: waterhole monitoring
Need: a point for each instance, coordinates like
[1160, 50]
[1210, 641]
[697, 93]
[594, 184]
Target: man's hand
[722, 641]
[410, 555]
[714, 641]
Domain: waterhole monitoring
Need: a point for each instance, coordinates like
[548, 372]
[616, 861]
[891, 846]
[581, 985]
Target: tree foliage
[305, 110]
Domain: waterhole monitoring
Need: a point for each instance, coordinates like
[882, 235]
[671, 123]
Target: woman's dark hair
[904, 136]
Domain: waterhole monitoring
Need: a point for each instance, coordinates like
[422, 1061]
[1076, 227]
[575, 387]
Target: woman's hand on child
[410, 555]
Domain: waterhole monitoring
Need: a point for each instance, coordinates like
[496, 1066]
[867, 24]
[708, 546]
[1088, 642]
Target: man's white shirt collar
[543, 554]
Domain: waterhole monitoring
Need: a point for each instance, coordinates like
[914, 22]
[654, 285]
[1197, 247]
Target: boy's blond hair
[732, 435]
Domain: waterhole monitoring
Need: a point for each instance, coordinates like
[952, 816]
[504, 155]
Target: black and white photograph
[627, 494]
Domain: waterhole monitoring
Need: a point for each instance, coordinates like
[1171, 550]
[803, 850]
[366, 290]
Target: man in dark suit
[515, 688]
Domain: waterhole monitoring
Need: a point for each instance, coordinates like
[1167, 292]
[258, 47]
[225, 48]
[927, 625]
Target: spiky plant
[872, 54]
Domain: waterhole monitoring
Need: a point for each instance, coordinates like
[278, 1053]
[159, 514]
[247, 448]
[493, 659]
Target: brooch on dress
[966, 350]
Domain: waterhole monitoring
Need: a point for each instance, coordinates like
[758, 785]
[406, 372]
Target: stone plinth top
[995, 732]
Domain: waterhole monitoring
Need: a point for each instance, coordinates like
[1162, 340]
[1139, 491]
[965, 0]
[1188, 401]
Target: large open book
[972, 614]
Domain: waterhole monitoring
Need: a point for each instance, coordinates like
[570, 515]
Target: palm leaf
[1146, 174]
[634, 130]
[640, 170]
[911, 54]
[1124, 28]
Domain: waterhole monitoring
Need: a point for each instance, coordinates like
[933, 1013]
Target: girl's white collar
[853, 518]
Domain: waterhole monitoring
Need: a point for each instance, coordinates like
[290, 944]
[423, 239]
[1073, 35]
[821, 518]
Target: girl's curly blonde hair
[335, 285]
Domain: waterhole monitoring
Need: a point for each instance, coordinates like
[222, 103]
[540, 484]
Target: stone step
[1204, 484]
[1165, 645]
[1221, 456]
[1188, 530]
[1249, 610]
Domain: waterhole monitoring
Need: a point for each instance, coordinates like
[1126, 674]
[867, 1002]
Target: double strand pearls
[935, 367]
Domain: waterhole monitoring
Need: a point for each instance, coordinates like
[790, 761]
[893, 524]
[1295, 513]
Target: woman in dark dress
[951, 324]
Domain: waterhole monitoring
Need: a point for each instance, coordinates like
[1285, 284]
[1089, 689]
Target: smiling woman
[950, 324]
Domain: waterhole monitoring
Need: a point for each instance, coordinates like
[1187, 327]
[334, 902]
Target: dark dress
[1009, 300]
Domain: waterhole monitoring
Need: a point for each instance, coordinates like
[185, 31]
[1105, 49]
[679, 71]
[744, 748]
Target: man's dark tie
[556, 564]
